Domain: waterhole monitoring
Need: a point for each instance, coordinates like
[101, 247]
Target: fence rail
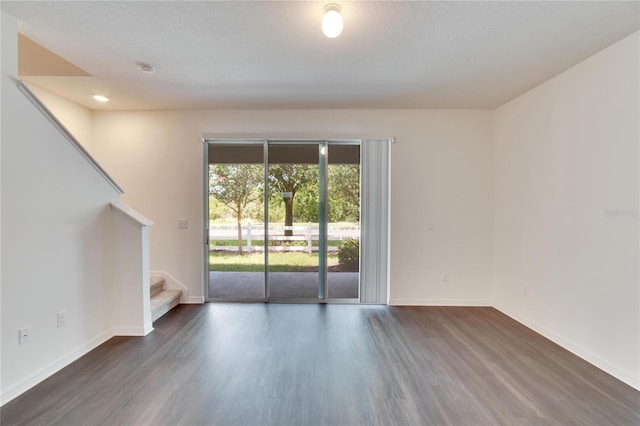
[255, 231]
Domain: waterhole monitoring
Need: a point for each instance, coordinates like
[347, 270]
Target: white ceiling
[273, 54]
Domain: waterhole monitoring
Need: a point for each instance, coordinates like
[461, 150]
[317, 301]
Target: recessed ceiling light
[101, 98]
[146, 68]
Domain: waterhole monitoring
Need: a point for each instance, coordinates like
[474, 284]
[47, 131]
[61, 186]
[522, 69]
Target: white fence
[255, 231]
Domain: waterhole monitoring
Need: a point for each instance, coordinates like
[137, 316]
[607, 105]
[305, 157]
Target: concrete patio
[282, 285]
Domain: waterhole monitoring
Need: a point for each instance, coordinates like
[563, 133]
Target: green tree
[344, 192]
[288, 179]
[306, 206]
[236, 185]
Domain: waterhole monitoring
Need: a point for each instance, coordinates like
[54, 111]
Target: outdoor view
[237, 223]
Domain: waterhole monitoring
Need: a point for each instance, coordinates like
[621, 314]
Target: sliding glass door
[284, 221]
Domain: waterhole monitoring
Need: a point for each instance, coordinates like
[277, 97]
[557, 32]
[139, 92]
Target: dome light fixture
[332, 23]
[101, 98]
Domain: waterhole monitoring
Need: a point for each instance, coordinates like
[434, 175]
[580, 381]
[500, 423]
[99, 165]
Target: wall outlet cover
[24, 335]
[62, 318]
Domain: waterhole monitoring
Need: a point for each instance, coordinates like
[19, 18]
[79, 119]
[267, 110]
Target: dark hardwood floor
[254, 364]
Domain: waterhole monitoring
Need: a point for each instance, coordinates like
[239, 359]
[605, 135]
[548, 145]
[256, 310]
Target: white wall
[57, 240]
[566, 209]
[129, 302]
[441, 173]
[76, 118]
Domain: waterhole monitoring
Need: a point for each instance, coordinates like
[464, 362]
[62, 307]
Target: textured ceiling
[273, 54]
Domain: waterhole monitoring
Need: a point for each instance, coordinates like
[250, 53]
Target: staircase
[162, 301]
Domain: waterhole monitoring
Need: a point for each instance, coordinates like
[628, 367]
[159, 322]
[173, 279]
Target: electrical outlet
[24, 335]
[183, 224]
[62, 318]
[526, 290]
[445, 277]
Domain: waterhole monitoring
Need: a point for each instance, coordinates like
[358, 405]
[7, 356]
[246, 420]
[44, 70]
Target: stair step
[163, 302]
[157, 284]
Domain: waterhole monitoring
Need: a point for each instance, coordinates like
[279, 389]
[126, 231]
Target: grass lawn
[279, 262]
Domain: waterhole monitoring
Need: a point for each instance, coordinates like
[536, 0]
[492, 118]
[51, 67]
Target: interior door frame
[324, 211]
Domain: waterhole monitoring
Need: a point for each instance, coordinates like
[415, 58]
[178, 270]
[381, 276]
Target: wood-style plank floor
[271, 364]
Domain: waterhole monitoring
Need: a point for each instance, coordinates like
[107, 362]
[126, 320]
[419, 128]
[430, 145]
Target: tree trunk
[240, 244]
[288, 216]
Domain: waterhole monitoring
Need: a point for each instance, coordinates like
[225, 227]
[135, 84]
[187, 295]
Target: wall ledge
[131, 213]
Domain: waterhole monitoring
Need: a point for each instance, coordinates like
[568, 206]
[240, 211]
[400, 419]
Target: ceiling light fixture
[332, 23]
[101, 98]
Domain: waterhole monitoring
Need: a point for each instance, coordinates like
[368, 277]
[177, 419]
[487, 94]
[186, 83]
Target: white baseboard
[13, 391]
[194, 300]
[567, 344]
[133, 331]
[173, 284]
[148, 328]
[439, 302]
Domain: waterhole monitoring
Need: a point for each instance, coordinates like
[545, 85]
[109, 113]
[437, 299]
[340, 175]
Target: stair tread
[156, 281]
[163, 302]
[165, 297]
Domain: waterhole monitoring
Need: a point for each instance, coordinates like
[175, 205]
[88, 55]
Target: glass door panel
[236, 221]
[294, 230]
[343, 217]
